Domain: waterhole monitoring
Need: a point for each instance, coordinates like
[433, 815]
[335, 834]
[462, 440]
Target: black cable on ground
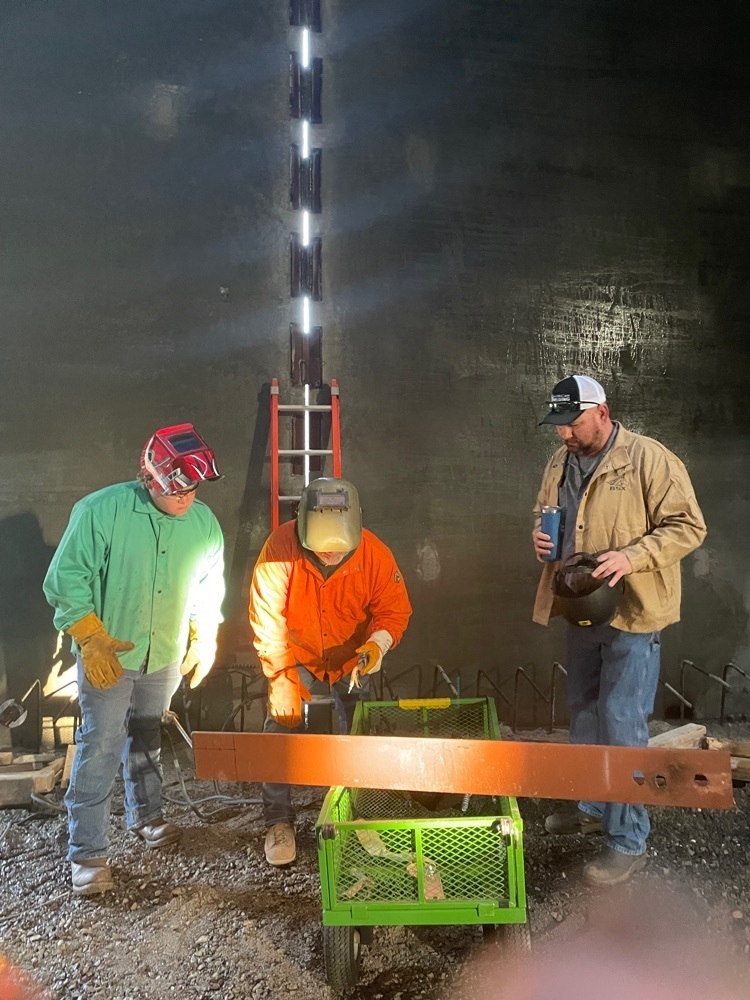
[194, 803]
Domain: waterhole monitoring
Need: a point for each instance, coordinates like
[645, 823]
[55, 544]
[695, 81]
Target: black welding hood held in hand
[582, 599]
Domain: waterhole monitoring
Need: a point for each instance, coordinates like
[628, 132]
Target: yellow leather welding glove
[98, 651]
[369, 658]
[285, 696]
[200, 656]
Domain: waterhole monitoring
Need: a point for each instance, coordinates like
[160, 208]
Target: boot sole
[154, 844]
[92, 890]
[638, 866]
[281, 864]
[162, 842]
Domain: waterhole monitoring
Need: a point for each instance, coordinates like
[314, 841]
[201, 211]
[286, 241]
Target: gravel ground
[209, 918]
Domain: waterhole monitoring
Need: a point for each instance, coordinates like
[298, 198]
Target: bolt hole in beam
[639, 778]
[660, 781]
[702, 780]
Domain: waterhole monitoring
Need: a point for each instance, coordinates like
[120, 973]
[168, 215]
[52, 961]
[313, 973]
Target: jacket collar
[617, 458]
[143, 504]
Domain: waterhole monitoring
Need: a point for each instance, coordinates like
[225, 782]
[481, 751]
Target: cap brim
[561, 418]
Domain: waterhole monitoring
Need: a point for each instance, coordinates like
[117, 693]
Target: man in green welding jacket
[137, 582]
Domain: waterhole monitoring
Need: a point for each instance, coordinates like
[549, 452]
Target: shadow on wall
[235, 633]
[27, 636]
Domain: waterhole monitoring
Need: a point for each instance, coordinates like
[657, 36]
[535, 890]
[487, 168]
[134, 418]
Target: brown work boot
[158, 833]
[280, 846]
[612, 867]
[577, 822]
[91, 876]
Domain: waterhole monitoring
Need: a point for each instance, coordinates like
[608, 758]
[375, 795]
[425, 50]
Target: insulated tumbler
[551, 524]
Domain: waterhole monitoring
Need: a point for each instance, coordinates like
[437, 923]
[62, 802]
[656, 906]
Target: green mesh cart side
[390, 857]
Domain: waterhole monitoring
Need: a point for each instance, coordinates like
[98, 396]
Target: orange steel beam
[648, 775]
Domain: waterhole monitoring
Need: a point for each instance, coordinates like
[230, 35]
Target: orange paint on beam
[646, 775]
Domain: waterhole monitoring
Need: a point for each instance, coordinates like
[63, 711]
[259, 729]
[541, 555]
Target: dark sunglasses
[572, 406]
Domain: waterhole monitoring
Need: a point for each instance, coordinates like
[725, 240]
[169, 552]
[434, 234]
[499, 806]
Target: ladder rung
[302, 408]
[299, 452]
[288, 498]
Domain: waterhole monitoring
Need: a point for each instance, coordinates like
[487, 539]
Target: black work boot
[612, 867]
[577, 822]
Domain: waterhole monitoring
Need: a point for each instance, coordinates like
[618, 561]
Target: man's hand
[285, 696]
[98, 651]
[369, 658]
[199, 658]
[614, 562]
[543, 544]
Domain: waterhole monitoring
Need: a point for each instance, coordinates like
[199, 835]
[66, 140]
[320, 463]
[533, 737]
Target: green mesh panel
[467, 862]
[382, 879]
[470, 861]
[467, 721]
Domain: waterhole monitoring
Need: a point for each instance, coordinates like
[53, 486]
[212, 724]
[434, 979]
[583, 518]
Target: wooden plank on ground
[737, 748]
[70, 756]
[688, 736]
[34, 758]
[6, 758]
[46, 779]
[16, 787]
[741, 768]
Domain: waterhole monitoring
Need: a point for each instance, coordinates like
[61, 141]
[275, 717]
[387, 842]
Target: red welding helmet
[176, 459]
[583, 599]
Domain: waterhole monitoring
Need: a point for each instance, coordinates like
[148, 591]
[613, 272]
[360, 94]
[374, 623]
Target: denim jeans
[612, 679]
[119, 725]
[277, 798]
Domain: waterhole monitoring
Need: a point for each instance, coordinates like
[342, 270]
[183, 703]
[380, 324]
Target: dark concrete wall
[511, 192]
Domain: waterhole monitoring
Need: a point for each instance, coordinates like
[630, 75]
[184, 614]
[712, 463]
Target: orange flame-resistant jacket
[298, 617]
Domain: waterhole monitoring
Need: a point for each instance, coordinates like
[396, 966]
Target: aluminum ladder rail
[305, 408]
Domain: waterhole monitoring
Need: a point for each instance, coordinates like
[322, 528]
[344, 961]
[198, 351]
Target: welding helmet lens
[329, 518]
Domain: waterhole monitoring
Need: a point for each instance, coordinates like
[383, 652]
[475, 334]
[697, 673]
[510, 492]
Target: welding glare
[306, 315]
[305, 48]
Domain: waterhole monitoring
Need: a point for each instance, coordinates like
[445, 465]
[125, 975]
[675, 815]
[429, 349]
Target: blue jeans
[277, 798]
[612, 679]
[119, 725]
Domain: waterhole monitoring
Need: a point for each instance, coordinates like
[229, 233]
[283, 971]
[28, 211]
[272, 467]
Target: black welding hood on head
[582, 599]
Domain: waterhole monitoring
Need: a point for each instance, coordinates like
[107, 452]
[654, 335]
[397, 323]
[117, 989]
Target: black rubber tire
[342, 956]
[514, 940]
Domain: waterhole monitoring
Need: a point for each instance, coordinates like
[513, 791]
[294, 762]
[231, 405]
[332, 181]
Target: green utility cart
[390, 857]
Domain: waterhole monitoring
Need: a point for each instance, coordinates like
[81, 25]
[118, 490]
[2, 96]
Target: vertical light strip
[307, 434]
[305, 48]
[305, 229]
[306, 315]
[305, 138]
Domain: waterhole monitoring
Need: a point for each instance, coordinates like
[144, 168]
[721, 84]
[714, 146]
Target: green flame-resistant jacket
[144, 573]
[640, 500]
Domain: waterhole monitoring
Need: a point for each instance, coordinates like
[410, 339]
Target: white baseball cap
[571, 396]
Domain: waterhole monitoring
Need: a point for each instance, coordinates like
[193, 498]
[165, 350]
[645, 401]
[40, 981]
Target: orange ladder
[305, 408]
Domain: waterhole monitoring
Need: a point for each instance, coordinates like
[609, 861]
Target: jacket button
[163, 552]
[580, 526]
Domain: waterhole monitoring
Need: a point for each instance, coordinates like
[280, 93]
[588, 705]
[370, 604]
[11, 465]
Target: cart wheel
[514, 940]
[342, 956]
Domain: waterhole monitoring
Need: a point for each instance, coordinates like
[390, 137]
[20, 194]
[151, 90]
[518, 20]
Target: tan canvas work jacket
[640, 500]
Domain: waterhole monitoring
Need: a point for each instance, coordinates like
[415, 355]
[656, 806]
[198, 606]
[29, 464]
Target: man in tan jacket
[629, 501]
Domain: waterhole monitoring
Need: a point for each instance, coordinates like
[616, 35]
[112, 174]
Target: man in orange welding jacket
[327, 602]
